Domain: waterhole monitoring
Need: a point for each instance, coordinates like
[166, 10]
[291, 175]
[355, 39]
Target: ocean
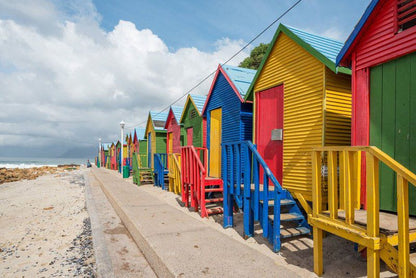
[19, 162]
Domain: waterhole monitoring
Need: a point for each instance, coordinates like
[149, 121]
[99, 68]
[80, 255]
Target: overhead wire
[232, 57]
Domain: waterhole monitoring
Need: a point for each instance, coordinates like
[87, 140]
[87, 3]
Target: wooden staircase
[161, 172]
[384, 236]
[273, 207]
[198, 190]
[141, 174]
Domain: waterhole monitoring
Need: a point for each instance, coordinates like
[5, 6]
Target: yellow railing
[174, 162]
[342, 195]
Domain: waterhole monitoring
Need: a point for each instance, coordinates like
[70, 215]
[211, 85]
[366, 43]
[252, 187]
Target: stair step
[215, 210]
[283, 202]
[213, 200]
[213, 190]
[292, 232]
[288, 217]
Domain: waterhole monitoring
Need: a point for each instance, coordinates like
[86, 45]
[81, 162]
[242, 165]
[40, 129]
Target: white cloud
[334, 33]
[70, 81]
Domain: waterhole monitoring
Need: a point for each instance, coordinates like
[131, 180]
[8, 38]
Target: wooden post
[317, 209]
[403, 219]
[348, 201]
[332, 185]
[372, 190]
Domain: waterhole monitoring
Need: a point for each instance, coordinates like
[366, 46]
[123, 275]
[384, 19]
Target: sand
[45, 228]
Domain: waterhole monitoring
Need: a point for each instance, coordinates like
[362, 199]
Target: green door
[393, 123]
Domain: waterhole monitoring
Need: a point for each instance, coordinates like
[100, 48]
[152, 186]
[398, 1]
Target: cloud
[334, 33]
[66, 82]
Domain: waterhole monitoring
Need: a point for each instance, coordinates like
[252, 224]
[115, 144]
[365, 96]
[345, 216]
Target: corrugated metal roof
[177, 111]
[241, 77]
[356, 31]
[199, 101]
[159, 119]
[327, 47]
[140, 132]
[106, 146]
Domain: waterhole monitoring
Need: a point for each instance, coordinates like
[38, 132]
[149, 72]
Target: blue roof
[199, 102]
[106, 146]
[177, 112]
[241, 77]
[327, 47]
[159, 119]
[356, 30]
[140, 132]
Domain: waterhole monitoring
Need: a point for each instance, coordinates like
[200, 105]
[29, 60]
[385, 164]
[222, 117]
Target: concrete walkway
[178, 245]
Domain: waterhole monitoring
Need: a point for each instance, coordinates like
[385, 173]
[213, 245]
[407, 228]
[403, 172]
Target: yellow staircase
[174, 161]
[336, 178]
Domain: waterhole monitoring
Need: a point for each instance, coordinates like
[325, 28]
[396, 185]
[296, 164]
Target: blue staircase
[160, 170]
[262, 199]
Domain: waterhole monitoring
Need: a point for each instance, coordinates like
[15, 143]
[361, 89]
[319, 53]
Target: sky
[71, 70]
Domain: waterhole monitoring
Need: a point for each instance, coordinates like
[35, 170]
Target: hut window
[406, 14]
[193, 114]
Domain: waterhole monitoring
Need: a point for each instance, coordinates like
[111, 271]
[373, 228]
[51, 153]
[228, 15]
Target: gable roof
[323, 49]
[140, 132]
[106, 146]
[176, 111]
[238, 78]
[158, 121]
[357, 29]
[197, 100]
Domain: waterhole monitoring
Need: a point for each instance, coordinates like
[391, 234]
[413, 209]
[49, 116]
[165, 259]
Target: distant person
[88, 164]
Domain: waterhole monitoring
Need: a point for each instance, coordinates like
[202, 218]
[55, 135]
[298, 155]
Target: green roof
[323, 49]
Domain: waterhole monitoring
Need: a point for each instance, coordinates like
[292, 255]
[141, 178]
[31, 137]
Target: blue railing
[242, 166]
[160, 169]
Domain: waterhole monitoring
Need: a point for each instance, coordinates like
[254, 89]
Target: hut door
[170, 142]
[215, 143]
[269, 123]
[189, 136]
[149, 150]
[393, 123]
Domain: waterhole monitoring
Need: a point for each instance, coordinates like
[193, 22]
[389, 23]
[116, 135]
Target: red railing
[193, 175]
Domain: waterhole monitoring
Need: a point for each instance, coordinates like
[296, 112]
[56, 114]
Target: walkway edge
[102, 258]
[158, 266]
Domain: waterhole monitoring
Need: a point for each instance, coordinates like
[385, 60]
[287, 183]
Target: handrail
[382, 156]
[348, 160]
[245, 164]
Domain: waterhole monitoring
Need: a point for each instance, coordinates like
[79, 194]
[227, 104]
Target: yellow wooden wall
[304, 81]
[337, 109]
[151, 129]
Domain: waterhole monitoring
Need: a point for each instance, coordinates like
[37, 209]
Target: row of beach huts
[321, 138]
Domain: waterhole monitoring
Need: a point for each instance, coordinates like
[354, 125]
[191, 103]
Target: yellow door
[170, 143]
[215, 144]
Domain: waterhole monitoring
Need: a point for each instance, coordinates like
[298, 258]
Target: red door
[269, 116]
[189, 136]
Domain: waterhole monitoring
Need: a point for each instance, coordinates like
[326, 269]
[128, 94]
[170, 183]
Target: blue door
[149, 150]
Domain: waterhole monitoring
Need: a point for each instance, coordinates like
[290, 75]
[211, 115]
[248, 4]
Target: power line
[232, 57]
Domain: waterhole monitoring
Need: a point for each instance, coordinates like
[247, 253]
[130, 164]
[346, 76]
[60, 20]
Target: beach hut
[192, 121]
[118, 149]
[175, 139]
[229, 118]
[381, 52]
[113, 156]
[140, 171]
[155, 134]
[174, 131]
[301, 100]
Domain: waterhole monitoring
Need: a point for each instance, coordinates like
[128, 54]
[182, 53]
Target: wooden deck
[388, 221]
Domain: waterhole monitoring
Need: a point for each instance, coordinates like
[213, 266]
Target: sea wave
[24, 165]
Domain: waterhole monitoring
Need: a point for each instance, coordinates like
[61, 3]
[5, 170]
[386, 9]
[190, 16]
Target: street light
[99, 153]
[122, 124]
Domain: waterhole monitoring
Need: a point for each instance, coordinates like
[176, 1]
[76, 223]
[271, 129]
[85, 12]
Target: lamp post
[99, 153]
[122, 124]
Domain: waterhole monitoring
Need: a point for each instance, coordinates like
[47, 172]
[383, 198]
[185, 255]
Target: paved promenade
[178, 245]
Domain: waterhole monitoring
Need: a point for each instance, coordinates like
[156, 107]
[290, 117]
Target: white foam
[24, 165]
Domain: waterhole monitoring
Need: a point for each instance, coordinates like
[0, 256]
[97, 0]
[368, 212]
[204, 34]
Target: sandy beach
[45, 228]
